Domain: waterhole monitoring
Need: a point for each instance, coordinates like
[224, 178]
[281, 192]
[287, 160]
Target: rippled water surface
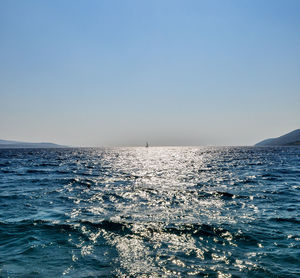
[150, 212]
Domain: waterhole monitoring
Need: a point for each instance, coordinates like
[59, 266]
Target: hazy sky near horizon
[107, 73]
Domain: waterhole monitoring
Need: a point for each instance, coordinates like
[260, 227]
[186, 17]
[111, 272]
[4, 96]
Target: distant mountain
[7, 144]
[289, 139]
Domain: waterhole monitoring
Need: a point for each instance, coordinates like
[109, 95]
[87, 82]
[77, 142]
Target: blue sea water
[150, 212]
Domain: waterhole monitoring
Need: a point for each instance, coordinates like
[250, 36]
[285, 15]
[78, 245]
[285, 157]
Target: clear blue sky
[105, 73]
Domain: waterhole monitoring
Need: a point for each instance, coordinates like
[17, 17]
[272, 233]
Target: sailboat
[147, 145]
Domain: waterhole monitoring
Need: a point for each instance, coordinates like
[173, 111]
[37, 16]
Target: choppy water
[150, 212]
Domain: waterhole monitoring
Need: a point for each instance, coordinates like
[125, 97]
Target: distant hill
[289, 139]
[7, 144]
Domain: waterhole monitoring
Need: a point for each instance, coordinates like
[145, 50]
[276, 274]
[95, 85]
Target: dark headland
[7, 144]
[289, 139]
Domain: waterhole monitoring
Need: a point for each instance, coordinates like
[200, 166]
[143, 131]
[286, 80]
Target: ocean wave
[135, 212]
[288, 220]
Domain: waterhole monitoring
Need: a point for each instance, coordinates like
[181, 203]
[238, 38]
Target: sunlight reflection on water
[162, 191]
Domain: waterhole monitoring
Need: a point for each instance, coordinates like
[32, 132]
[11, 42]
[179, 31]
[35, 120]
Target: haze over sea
[150, 212]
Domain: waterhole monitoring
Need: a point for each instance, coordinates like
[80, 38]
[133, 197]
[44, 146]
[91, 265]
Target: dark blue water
[150, 212]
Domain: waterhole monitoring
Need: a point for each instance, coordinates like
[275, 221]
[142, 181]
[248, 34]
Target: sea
[150, 212]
